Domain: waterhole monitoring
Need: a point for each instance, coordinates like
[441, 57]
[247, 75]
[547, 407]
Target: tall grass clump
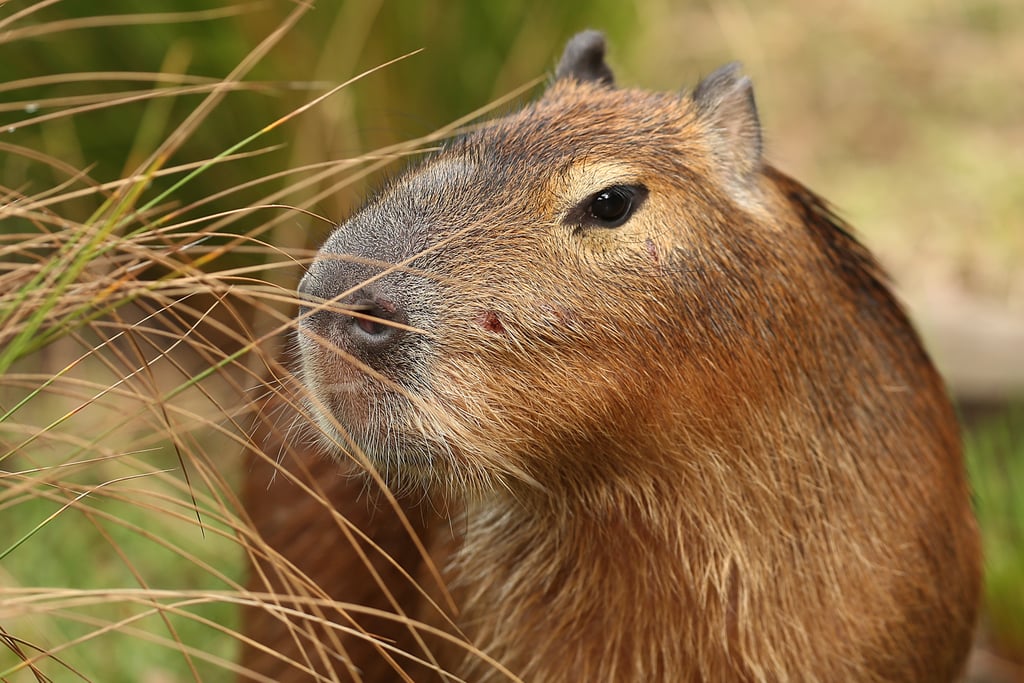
[137, 329]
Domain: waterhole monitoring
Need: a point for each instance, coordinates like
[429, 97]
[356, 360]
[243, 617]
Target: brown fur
[704, 445]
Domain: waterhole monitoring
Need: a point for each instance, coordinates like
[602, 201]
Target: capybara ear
[725, 102]
[583, 59]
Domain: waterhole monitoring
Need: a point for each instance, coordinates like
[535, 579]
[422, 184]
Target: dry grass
[132, 344]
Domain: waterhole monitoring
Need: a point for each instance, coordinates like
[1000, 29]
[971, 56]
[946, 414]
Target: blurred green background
[909, 116]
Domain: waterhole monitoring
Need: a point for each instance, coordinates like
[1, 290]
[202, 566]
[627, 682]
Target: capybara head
[607, 270]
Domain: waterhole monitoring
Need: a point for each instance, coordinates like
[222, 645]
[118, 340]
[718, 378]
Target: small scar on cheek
[652, 251]
[490, 321]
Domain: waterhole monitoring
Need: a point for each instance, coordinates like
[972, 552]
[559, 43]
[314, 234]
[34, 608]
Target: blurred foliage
[108, 545]
[995, 456]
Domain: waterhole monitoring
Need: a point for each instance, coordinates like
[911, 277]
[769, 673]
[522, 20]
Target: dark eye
[609, 208]
[612, 205]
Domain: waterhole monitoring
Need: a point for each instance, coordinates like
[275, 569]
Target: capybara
[652, 410]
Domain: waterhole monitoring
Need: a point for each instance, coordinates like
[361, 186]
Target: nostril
[372, 327]
[360, 322]
[376, 322]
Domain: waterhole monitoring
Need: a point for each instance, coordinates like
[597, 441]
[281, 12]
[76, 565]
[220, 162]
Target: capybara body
[689, 433]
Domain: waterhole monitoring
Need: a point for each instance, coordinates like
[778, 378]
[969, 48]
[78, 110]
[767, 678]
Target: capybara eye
[612, 206]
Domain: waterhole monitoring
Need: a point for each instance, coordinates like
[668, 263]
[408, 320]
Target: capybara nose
[363, 322]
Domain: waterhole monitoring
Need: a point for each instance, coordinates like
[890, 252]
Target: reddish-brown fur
[702, 445]
[323, 560]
